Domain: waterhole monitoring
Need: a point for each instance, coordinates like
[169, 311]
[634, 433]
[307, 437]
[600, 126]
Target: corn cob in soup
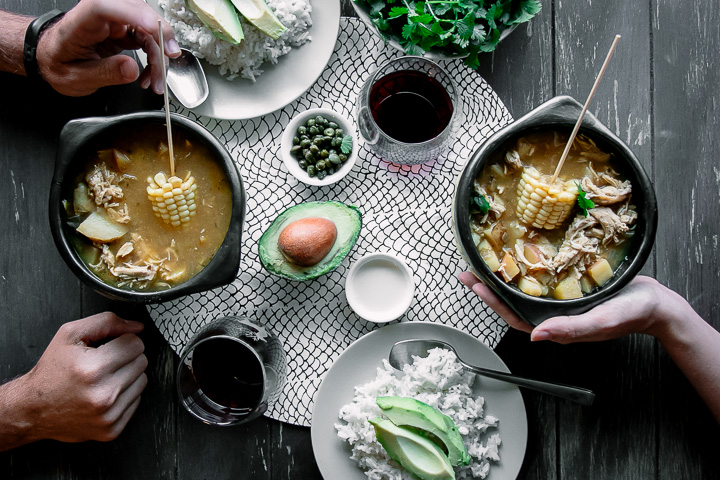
[134, 244]
[560, 240]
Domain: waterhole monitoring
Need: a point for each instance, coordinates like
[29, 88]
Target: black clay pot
[78, 140]
[560, 113]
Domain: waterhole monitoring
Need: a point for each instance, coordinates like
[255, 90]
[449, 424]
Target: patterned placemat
[406, 210]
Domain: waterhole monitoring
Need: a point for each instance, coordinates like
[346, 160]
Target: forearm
[16, 427]
[12, 39]
[694, 346]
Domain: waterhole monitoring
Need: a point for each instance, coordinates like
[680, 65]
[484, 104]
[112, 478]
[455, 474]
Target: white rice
[246, 58]
[438, 380]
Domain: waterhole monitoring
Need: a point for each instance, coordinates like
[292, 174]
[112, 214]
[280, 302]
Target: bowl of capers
[318, 146]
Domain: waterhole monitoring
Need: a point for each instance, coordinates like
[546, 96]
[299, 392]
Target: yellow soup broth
[152, 255]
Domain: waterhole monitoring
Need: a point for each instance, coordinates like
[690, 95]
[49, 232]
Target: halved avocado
[259, 14]
[347, 220]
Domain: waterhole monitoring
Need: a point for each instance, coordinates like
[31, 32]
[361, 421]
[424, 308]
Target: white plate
[279, 84]
[358, 364]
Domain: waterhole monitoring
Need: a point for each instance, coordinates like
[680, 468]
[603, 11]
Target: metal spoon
[402, 352]
[185, 76]
[186, 79]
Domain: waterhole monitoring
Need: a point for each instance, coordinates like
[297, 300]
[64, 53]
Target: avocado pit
[305, 242]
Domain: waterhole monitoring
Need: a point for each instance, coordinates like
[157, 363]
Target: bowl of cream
[380, 287]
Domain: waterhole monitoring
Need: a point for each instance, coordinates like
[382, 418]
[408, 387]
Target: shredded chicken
[119, 215]
[512, 158]
[125, 250]
[575, 252]
[142, 273]
[613, 226]
[544, 264]
[103, 185]
[613, 191]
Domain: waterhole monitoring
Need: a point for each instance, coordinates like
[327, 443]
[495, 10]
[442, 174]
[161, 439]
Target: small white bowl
[380, 287]
[291, 162]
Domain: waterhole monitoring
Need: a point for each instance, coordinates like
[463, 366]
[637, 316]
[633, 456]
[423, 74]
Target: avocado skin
[348, 221]
[414, 413]
[388, 433]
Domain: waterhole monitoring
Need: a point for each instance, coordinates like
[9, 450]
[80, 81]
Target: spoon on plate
[402, 354]
[185, 77]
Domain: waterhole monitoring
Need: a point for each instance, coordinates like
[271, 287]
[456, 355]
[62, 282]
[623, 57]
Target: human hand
[641, 307]
[79, 54]
[79, 392]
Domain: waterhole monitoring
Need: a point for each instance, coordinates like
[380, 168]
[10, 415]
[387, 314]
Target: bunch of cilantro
[454, 28]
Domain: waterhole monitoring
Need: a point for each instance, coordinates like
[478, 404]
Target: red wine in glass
[410, 106]
[228, 373]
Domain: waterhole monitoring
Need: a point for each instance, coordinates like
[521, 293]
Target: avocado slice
[259, 14]
[347, 220]
[415, 453]
[407, 411]
[220, 17]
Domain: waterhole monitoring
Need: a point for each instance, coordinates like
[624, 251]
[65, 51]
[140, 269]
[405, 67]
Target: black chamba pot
[560, 113]
[78, 140]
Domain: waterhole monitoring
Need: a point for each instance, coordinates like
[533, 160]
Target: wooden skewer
[167, 103]
[585, 107]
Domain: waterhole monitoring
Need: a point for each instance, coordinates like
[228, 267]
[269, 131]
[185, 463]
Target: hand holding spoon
[402, 352]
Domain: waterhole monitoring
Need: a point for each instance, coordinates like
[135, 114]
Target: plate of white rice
[490, 414]
[259, 75]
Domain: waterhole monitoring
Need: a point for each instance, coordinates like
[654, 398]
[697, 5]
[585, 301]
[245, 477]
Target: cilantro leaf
[346, 144]
[583, 202]
[479, 204]
[397, 12]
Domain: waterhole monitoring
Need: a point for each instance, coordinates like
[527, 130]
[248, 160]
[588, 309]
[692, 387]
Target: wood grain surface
[660, 95]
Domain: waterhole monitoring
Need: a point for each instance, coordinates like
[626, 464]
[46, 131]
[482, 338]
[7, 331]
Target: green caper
[318, 140]
[303, 164]
[321, 165]
[302, 129]
[336, 141]
[314, 149]
[320, 120]
[329, 132]
[311, 170]
[310, 122]
[309, 156]
[313, 130]
[321, 174]
[332, 124]
[342, 157]
[334, 159]
[305, 143]
[332, 150]
[295, 149]
[324, 153]
[296, 140]
[330, 170]
[339, 132]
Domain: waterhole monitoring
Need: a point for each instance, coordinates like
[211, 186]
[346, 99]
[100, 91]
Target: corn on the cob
[173, 199]
[543, 205]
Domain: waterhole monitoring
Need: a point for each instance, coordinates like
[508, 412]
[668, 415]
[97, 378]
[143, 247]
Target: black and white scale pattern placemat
[406, 210]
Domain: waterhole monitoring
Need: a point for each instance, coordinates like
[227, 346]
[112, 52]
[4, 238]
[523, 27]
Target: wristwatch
[32, 35]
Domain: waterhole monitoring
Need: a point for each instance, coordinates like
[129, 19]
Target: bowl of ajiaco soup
[557, 247]
[131, 228]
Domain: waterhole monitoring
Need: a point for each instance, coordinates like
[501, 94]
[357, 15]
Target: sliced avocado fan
[220, 17]
[409, 412]
[412, 451]
[259, 14]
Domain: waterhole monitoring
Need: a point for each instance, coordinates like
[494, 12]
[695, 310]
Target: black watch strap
[32, 35]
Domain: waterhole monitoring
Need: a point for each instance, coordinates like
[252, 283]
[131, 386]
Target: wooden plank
[686, 78]
[615, 435]
[292, 454]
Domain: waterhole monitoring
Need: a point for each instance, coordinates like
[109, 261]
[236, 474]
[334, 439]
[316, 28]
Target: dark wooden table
[660, 95]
